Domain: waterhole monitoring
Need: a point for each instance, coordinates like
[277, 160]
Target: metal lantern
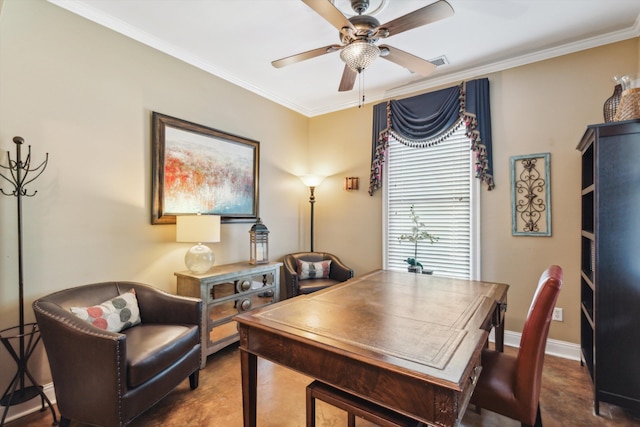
[259, 243]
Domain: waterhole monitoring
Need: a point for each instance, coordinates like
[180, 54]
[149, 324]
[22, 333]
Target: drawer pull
[245, 285]
[473, 379]
[245, 304]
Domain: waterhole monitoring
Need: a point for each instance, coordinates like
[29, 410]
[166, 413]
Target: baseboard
[33, 405]
[557, 348]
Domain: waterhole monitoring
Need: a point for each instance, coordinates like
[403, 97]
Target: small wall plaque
[531, 195]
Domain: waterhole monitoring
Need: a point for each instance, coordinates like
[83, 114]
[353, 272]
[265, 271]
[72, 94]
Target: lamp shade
[197, 228]
[312, 180]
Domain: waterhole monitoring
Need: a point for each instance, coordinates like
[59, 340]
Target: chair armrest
[74, 348]
[157, 306]
[339, 270]
[291, 279]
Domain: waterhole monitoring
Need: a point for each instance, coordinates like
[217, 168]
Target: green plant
[418, 233]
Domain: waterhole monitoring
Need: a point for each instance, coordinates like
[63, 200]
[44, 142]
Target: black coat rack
[19, 174]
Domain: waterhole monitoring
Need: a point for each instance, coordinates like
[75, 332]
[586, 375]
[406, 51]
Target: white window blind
[438, 182]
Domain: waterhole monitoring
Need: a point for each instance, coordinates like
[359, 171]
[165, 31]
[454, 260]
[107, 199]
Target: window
[439, 182]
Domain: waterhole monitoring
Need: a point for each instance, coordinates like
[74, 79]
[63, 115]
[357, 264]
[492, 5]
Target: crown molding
[542, 55]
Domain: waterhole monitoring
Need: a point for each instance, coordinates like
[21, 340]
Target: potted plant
[418, 233]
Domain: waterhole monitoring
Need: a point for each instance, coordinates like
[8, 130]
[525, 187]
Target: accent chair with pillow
[116, 348]
[307, 272]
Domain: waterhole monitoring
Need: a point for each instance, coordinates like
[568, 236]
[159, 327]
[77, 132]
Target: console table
[227, 290]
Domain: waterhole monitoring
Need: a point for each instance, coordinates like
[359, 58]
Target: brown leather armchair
[510, 385]
[109, 378]
[339, 272]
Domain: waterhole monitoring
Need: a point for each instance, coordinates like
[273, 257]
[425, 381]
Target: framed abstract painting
[197, 169]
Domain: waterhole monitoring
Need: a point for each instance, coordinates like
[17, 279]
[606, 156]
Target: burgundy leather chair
[339, 272]
[109, 378]
[510, 385]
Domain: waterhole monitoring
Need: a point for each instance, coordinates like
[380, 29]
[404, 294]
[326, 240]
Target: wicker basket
[629, 107]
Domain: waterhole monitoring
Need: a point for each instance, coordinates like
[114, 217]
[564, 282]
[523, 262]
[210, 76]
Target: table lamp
[198, 229]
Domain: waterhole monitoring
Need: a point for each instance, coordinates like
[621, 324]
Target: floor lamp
[312, 181]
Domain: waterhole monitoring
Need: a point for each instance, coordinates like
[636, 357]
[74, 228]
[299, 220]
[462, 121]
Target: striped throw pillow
[313, 270]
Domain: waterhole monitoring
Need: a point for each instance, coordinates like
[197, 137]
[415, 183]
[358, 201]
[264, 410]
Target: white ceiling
[237, 40]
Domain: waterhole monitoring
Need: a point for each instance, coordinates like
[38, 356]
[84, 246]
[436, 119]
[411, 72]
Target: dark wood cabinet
[610, 261]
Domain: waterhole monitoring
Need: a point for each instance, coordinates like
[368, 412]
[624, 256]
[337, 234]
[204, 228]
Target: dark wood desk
[408, 342]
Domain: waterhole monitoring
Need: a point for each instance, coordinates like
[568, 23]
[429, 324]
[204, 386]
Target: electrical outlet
[557, 314]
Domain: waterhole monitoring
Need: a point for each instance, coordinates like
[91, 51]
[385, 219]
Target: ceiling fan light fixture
[359, 54]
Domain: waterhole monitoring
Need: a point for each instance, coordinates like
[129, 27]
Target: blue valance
[428, 119]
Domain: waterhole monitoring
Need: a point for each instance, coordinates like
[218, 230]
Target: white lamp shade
[312, 180]
[197, 228]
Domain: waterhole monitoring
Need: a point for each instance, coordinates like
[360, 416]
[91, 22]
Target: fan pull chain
[360, 88]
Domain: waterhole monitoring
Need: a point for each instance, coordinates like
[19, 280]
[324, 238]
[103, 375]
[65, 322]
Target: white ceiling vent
[440, 60]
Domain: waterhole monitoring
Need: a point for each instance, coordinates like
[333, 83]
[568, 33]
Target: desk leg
[500, 337]
[502, 307]
[249, 368]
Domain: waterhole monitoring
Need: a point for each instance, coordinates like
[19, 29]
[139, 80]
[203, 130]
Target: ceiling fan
[360, 33]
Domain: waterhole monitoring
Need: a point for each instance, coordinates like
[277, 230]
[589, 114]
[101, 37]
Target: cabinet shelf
[588, 312]
[588, 189]
[588, 234]
[588, 279]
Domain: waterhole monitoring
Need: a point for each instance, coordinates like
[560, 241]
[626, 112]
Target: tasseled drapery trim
[466, 118]
[429, 142]
[375, 177]
[482, 162]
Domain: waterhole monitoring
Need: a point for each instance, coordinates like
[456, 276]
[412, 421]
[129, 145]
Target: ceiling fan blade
[305, 55]
[348, 79]
[407, 60]
[332, 14]
[423, 16]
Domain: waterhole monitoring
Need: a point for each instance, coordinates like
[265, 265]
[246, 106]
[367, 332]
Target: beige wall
[349, 223]
[545, 107]
[538, 108]
[85, 94]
